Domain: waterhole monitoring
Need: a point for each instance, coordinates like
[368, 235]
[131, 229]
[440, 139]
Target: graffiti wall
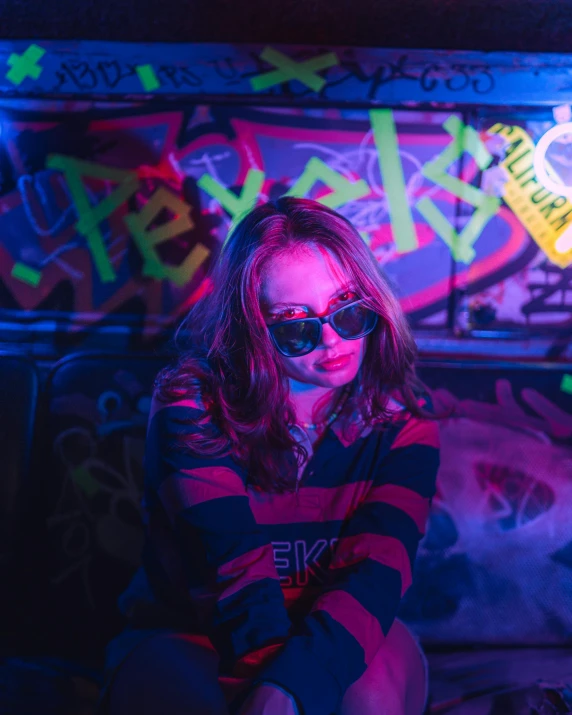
[113, 214]
[121, 174]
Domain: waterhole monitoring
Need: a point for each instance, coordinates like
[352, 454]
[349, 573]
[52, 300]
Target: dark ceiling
[539, 26]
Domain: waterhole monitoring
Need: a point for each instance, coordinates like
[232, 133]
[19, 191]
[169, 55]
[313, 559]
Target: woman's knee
[395, 682]
[168, 674]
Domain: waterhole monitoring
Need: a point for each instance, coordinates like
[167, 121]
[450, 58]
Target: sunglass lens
[297, 338]
[354, 321]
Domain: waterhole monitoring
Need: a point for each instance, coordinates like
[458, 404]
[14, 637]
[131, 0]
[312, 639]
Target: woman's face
[310, 283]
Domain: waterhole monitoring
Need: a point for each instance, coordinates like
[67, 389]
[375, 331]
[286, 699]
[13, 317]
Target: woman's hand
[268, 700]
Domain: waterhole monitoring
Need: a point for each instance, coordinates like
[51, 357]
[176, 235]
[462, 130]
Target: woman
[289, 470]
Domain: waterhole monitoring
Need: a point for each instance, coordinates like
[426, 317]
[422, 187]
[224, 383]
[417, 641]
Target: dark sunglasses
[294, 338]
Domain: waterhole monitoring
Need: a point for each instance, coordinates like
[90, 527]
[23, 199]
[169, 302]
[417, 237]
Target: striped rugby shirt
[295, 589]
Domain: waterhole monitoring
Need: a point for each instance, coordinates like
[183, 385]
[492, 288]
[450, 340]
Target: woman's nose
[329, 335]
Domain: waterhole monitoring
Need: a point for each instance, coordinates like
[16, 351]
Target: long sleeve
[369, 573]
[227, 561]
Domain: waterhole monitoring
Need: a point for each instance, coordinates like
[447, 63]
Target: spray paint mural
[112, 212]
[115, 213]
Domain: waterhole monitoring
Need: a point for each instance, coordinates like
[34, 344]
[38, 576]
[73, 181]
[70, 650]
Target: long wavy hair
[227, 360]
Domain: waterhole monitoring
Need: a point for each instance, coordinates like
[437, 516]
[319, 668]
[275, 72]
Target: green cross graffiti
[288, 69]
[25, 65]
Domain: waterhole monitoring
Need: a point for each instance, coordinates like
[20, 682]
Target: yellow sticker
[546, 216]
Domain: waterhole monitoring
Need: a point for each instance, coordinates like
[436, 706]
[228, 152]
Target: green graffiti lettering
[146, 240]
[91, 216]
[343, 189]
[391, 170]
[465, 138]
[235, 205]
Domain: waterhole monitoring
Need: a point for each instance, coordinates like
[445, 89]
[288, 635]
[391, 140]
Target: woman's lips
[336, 364]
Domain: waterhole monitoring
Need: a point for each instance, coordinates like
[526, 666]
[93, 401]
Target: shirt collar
[350, 425]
